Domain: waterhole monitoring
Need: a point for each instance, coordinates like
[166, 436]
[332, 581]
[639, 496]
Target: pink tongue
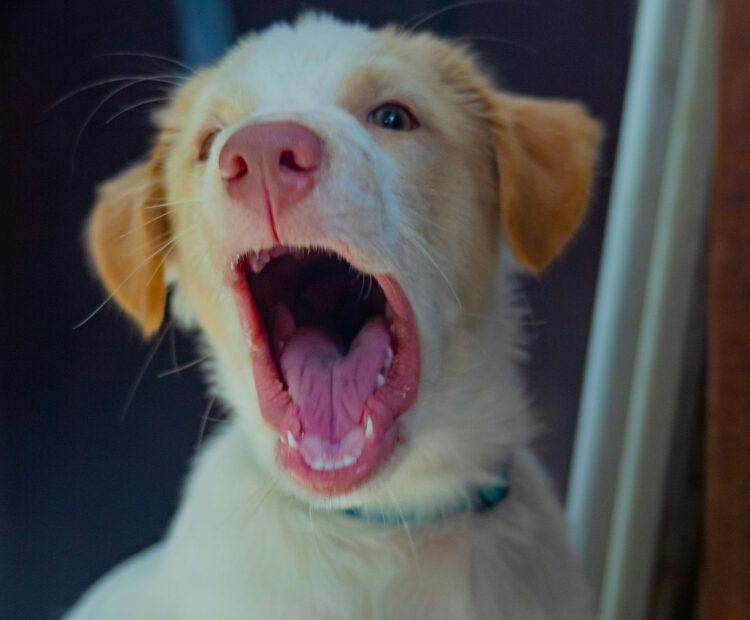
[329, 386]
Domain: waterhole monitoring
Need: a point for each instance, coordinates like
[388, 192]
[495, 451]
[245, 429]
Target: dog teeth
[369, 432]
[258, 260]
[380, 380]
[291, 440]
[321, 465]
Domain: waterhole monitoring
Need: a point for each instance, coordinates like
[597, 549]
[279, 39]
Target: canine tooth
[317, 465]
[291, 440]
[369, 432]
[388, 358]
[380, 380]
[348, 460]
[258, 260]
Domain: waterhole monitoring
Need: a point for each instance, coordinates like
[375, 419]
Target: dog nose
[276, 162]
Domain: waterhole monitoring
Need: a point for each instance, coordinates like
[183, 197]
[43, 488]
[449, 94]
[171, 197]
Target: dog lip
[378, 426]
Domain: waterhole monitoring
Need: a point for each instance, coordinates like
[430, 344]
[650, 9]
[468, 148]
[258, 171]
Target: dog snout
[270, 166]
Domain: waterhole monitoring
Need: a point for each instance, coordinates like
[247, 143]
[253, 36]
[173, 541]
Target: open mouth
[335, 358]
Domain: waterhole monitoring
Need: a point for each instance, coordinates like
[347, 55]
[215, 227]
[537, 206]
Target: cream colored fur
[437, 209]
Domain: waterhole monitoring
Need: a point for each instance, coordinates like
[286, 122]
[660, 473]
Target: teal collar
[482, 499]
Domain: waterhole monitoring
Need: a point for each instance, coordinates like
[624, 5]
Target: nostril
[233, 169]
[288, 160]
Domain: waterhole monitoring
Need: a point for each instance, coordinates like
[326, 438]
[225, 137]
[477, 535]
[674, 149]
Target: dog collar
[481, 499]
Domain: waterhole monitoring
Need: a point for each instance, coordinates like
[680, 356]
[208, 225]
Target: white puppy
[329, 205]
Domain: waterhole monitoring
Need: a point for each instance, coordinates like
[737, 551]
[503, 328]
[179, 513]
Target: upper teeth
[258, 260]
[291, 440]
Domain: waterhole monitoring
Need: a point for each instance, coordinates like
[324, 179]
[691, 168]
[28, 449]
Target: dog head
[328, 204]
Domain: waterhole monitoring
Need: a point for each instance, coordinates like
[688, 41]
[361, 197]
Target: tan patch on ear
[547, 152]
[126, 240]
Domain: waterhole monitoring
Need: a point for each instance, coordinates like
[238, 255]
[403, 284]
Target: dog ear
[547, 153]
[126, 236]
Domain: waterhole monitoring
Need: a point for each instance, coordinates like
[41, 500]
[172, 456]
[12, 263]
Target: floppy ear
[126, 236]
[547, 153]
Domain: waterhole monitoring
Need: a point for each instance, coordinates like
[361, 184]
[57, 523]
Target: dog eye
[393, 116]
[205, 144]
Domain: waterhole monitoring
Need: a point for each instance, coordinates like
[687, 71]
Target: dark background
[81, 485]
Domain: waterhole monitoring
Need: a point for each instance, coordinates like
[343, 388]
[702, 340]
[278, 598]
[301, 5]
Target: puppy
[338, 213]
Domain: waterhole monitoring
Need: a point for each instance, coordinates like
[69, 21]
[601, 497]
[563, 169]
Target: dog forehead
[300, 64]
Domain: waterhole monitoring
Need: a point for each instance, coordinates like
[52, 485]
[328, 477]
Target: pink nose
[270, 166]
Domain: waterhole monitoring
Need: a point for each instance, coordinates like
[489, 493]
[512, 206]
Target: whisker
[141, 226]
[161, 262]
[204, 422]
[134, 106]
[178, 369]
[266, 493]
[174, 203]
[163, 79]
[92, 114]
[405, 26]
[137, 188]
[361, 277]
[142, 372]
[427, 255]
[109, 298]
[173, 344]
[168, 59]
[430, 222]
[147, 244]
[460, 5]
[407, 530]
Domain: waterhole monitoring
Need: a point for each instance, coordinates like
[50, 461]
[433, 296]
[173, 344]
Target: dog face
[327, 204]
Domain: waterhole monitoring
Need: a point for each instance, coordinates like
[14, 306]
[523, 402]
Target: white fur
[248, 542]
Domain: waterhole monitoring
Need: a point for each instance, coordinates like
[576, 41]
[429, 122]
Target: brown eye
[393, 116]
[205, 145]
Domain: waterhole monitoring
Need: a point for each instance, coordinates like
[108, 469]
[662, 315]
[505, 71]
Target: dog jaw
[338, 463]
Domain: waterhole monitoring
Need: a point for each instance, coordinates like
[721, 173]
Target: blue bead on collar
[481, 500]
